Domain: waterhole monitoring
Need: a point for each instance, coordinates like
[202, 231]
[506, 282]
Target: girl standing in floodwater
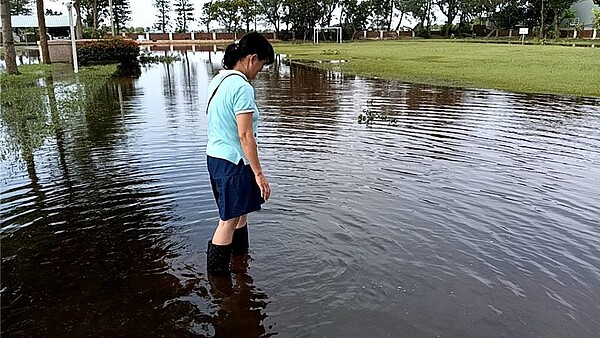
[236, 176]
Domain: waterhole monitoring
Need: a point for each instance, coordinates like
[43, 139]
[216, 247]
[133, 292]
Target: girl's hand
[265, 190]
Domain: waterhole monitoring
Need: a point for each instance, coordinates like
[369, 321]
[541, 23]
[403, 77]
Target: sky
[143, 13]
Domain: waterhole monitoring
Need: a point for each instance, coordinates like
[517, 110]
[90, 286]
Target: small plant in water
[368, 116]
[149, 58]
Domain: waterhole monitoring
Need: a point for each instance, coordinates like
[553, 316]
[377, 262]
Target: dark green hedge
[118, 50]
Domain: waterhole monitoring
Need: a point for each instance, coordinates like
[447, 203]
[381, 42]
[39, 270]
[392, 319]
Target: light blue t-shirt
[235, 95]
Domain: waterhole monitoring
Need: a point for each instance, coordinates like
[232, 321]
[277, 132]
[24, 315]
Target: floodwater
[474, 215]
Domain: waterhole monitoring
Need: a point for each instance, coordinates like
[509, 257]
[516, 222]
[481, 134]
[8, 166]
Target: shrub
[116, 50]
[596, 19]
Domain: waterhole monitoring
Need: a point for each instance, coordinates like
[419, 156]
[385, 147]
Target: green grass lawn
[516, 68]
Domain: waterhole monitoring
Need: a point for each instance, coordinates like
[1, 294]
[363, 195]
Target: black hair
[251, 43]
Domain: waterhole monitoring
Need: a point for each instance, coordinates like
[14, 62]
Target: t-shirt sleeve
[243, 100]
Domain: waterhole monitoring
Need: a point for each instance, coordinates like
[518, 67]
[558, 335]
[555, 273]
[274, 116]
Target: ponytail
[232, 55]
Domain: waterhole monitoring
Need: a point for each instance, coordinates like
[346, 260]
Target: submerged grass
[516, 68]
[41, 101]
[32, 73]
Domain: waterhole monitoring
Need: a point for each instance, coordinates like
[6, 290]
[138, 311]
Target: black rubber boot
[239, 244]
[218, 258]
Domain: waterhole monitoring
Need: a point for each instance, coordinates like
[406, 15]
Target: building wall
[583, 10]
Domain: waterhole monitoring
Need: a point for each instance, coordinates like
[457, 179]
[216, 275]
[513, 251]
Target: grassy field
[516, 68]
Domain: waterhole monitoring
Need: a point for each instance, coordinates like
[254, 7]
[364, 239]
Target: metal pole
[73, 43]
[112, 22]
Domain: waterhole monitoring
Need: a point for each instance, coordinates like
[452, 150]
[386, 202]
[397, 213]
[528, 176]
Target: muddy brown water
[474, 215]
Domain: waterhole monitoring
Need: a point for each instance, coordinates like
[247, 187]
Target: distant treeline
[545, 17]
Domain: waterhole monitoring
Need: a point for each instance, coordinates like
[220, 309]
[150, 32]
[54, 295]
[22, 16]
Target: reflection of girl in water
[236, 176]
[241, 306]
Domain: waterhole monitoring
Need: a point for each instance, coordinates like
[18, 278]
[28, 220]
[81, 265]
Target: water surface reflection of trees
[303, 107]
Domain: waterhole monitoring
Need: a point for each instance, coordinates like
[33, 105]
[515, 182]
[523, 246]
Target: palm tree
[10, 56]
[42, 26]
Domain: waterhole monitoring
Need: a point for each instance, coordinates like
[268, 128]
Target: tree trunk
[43, 37]
[10, 55]
[390, 16]
[95, 14]
[400, 22]
[542, 21]
[79, 23]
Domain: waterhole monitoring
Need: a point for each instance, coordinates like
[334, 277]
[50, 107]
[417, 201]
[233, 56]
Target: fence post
[214, 35]
[510, 33]
[365, 34]
[575, 33]
[170, 36]
[381, 35]
[595, 34]
[148, 36]
[193, 36]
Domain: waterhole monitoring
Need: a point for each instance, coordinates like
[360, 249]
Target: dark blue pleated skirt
[234, 188]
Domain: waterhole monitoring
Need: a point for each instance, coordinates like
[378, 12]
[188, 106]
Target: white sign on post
[523, 32]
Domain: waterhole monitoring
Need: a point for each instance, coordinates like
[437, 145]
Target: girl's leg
[239, 242]
[242, 221]
[218, 253]
[224, 232]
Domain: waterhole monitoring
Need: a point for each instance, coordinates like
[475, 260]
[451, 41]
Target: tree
[94, 12]
[20, 7]
[400, 5]
[354, 15]
[328, 7]
[185, 14]
[509, 14]
[379, 14]
[163, 17]
[273, 11]
[122, 14]
[228, 13]
[42, 29]
[450, 9]
[303, 15]
[556, 11]
[208, 15]
[249, 12]
[422, 10]
[596, 18]
[79, 23]
[10, 55]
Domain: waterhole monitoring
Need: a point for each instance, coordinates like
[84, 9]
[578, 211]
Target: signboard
[523, 31]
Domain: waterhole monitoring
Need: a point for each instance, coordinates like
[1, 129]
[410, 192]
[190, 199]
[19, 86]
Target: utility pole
[73, 42]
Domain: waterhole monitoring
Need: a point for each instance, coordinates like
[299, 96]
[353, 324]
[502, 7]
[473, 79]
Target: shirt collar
[233, 71]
